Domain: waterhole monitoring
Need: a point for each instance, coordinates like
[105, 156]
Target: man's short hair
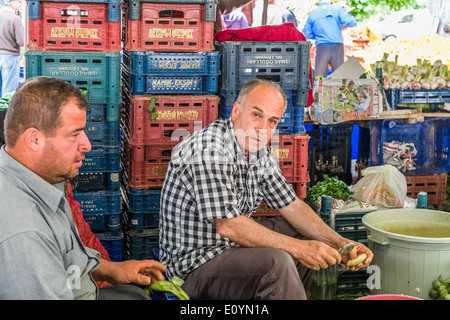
[38, 103]
[254, 83]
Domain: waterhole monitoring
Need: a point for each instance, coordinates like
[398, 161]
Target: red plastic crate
[146, 165]
[433, 184]
[65, 26]
[291, 151]
[170, 27]
[177, 116]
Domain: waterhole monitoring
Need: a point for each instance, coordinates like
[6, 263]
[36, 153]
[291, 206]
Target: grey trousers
[332, 54]
[252, 273]
[122, 292]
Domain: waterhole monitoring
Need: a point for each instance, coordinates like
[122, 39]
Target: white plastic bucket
[407, 264]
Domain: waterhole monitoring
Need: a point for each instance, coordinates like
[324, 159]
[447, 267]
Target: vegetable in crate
[331, 187]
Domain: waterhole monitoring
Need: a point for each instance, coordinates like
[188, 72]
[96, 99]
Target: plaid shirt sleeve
[278, 193]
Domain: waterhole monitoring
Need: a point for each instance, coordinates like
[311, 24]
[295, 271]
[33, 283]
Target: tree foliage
[364, 9]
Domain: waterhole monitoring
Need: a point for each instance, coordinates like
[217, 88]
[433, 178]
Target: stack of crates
[170, 76]
[287, 63]
[80, 41]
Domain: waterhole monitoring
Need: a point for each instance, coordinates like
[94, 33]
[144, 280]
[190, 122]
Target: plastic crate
[103, 201]
[397, 97]
[145, 166]
[177, 116]
[96, 72]
[430, 139]
[210, 7]
[170, 84]
[143, 200]
[348, 225]
[330, 153]
[286, 63]
[434, 185]
[141, 208]
[112, 242]
[100, 170]
[168, 27]
[70, 26]
[292, 121]
[140, 245]
[291, 152]
[174, 63]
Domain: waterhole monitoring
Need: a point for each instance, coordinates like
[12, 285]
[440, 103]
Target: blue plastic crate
[144, 200]
[103, 201]
[102, 221]
[112, 242]
[103, 133]
[170, 84]
[114, 10]
[432, 97]
[104, 111]
[292, 121]
[143, 244]
[287, 63]
[96, 72]
[172, 63]
[100, 170]
[134, 7]
[430, 138]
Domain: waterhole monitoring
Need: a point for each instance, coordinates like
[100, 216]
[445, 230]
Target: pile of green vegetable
[4, 101]
[441, 289]
[330, 186]
[173, 287]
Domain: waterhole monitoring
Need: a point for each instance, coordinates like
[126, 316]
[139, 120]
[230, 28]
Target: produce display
[408, 50]
[424, 74]
[330, 187]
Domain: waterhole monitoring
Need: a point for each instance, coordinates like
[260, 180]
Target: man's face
[63, 154]
[261, 112]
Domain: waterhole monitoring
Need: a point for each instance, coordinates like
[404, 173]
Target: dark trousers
[332, 54]
[252, 273]
[122, 292]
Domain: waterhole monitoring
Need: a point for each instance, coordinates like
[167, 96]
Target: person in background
[216, 179]
[12, 37]
[276, 15]
[41, 253]
[236, 20]
[324, 25]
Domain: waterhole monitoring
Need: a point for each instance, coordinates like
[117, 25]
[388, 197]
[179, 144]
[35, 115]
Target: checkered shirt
[209, 177]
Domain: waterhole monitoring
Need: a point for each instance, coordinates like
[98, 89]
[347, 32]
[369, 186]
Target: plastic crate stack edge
[170, 77]
[80, 41]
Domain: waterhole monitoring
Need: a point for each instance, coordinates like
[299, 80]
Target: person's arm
[248, 233]
[308, 223]
[346, 18]
[143, 272]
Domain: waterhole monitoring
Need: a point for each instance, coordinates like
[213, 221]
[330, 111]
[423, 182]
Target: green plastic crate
[96, 72]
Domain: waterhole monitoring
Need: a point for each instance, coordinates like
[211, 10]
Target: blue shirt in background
[324, 24]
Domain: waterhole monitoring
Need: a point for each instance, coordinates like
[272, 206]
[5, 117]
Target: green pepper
[173, 287]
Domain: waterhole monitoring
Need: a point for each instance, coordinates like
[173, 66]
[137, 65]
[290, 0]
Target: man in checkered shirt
[216, 179]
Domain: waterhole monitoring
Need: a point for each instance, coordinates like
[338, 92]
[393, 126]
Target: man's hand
[315, 254]
[141, 272]
[356, 251]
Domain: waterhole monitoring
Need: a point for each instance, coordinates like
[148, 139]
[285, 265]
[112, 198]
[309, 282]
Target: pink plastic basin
[388, 297]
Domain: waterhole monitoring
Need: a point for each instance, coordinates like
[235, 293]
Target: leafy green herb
[151, 108]
[330, 186]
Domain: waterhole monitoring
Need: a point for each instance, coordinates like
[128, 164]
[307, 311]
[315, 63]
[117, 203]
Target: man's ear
[235, 111]
[33, 138]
